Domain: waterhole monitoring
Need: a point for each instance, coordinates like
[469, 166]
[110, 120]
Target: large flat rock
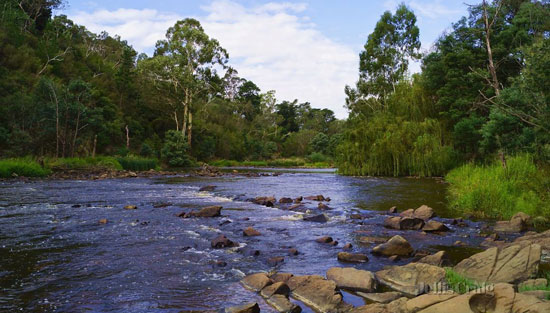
[412, 279]
[352, 279]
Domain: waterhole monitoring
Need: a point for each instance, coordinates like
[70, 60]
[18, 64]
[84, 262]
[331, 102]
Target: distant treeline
[67, 92]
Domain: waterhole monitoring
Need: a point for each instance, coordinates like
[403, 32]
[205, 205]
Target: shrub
[134, 163]
[84, 163]
[317, 157]
[459, 283]
[497, 192]
[21, 167]
[174, 151]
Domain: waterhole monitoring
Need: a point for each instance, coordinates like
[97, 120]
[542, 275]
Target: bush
[133, 163]
[21, 167]
[497, 192]
[174, 151]
[317, 157]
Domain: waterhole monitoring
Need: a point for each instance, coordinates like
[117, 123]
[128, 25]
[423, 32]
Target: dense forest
[483, 93]
[67, 92]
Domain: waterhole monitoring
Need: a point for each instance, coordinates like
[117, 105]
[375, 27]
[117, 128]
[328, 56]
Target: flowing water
[55, 256]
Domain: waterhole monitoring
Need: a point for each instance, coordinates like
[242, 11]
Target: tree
[182, 65]
[174, 151]
[385, 60]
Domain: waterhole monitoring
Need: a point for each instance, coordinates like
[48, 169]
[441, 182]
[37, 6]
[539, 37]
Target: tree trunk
[75, 134]
[127, 138]
[190, 129]
[492, 68]
[184, 126]
[95, 144]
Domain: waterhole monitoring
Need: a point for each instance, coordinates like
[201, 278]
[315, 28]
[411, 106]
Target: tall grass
[496, 192]
[100, 162]
[21, 167]
[133, 163]
[459, 283]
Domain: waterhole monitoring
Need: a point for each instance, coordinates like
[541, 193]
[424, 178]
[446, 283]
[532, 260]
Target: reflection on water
[56, 256]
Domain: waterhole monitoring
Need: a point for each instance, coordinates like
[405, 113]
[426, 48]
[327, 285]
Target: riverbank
[283, 163]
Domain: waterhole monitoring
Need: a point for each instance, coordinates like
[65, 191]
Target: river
[55, 256]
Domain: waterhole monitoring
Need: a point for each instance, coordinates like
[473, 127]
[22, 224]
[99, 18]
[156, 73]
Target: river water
[55, 256]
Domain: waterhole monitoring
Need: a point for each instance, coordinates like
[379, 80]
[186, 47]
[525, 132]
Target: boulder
[542, 239]
[324, 239]
[209, 211]
[403, 223]
[298, 200]
[274, 261]
[352, 279]
[130, 207]
[509, 265]
[320, 294]
[285, 200]
[322, 206]
[424, 212]
[407, 213]
[249, 232]
[371, 240]
[397, 245]
[103, 221]
[438, 259]
[267, 201]
[356, 216]
[382, 297]
[392, 210]
[281, 277]
[315, 198]
[207, 188]
[256, 282]
[396, 306]
[434, 226]
[222, 242]
[283, 304]
[278, 288]
[530, 283]
[352, 257]
[320, 218]
[499, 298]
[247, 308]
[293, 251]
[347, 246]
[412, 279]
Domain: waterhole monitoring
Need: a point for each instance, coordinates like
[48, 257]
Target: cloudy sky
[306, 50]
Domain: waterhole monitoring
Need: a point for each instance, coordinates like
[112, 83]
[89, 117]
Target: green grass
[459, 283]
[492, 191]
[288, 162]
[133, 163]
[26, 167]
[102, 162]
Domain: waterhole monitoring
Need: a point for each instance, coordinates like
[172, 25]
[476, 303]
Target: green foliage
[317, 157]
[497, 192]
[26, 167]
[320, 143]
[174, 151]
[99, 162]
[459, 283]
[134, 163]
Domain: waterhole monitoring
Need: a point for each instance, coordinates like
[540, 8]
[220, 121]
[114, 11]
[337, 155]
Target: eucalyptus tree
[182, 69]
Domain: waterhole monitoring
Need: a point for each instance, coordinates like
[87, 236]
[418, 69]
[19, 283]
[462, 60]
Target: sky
[306, 50]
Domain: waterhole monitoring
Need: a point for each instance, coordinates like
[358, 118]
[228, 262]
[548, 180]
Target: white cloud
[272, 44]
[141, 28]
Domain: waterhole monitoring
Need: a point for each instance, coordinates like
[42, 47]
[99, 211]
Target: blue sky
[302, 49]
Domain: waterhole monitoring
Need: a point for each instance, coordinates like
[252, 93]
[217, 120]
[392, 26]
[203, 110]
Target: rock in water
[250, 232]
[518, 223]
[352, 279]
[285, 200]
[510, 265]
[316, 198]
[412, 279]
[274, 261]
[222, 242]
[209, 211]
[130, 207]
[424, 212]
[320, 294]
[207, 188]
[278, 288]
[324, 239]
[434, 226]
[397, 245]
[321, 218]
[256, 282]
[352, 257]
[283, 304]
[438, 259]
[247, 308]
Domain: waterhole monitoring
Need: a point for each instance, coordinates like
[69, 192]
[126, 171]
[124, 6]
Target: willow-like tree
[182, 68]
